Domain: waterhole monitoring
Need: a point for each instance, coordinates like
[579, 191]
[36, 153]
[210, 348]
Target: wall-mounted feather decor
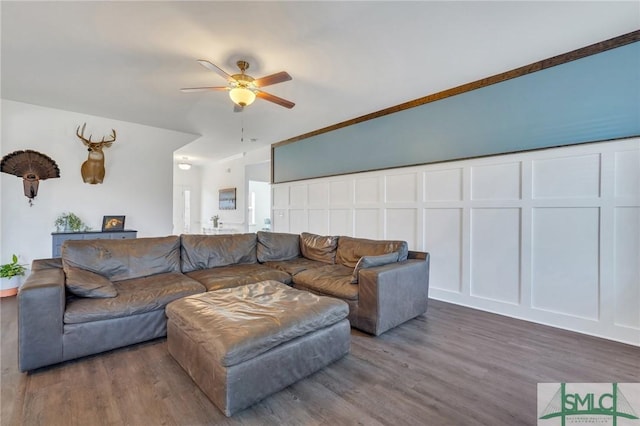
[32, 167]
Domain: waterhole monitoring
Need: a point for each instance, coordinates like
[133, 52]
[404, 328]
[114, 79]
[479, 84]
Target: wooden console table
[57, 238]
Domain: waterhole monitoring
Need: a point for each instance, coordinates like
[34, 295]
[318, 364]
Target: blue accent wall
[591, 99]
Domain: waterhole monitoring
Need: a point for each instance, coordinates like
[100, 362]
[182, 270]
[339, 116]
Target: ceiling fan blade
[202, 89]
[208, 65]
[276, 100]
[272, 79]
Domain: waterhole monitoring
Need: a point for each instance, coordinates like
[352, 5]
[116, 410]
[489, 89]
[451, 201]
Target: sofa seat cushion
[332, 280]
[237, 324]
[236, 275]
[135, 296]
[350, 250]
[295, 266]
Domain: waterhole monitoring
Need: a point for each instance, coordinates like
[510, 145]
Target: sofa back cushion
[118, 260]
[277, 247]
[318, 247]
[350, 250]
[210, 251]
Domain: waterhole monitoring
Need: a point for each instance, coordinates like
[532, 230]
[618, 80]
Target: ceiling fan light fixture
[242, 96]
[243, 89]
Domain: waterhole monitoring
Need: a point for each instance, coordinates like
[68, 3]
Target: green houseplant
[13, 269]
[70, 222]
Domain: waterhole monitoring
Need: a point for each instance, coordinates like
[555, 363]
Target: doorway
[259, 206]
[258, 197]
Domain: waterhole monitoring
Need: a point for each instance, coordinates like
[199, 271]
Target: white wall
[229, 174]
[138, 181]
[550, 236]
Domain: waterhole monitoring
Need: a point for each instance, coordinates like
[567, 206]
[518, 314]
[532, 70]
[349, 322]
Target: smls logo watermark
[574, 404]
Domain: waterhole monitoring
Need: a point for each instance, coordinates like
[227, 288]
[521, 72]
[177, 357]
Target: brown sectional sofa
[105, 294]
[223, 261]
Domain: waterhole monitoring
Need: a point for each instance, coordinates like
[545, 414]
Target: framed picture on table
[112, 223]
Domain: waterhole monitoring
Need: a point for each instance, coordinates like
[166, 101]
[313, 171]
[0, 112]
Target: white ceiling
[128, 60]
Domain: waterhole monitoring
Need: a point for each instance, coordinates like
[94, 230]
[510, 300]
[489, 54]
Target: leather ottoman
[241, 344]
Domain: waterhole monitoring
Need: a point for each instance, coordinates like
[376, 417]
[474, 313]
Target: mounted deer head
[93, 169]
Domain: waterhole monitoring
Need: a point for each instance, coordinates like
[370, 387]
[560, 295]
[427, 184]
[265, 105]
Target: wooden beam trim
[583, 52]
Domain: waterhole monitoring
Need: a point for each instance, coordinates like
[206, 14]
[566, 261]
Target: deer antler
[80, 134]
[113, 137]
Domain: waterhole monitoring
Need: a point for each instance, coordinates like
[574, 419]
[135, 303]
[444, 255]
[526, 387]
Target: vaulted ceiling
[128, 60]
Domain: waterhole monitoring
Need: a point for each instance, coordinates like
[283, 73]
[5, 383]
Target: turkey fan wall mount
[32, 167]
[243, 89]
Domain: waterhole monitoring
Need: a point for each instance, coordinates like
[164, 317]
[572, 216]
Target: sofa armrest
[41, 305]
[418, 255]
[392, 294]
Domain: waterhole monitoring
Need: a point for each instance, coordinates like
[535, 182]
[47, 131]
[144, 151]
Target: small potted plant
[69, 222]
[10, 270]
[215, 220]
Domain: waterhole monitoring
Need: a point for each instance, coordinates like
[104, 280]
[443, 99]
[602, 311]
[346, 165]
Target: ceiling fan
[243, 89]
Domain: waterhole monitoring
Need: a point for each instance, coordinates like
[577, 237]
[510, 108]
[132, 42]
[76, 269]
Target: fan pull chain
[242, 128]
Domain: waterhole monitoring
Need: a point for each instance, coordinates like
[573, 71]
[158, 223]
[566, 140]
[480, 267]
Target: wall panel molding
[547, 236]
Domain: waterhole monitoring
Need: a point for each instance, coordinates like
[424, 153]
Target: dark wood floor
[452, 366]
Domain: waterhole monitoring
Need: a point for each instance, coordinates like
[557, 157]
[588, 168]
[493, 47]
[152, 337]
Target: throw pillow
[85, 283]
[372, 261]
[319, 247]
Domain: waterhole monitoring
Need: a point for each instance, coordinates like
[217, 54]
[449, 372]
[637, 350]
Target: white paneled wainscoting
[549, 236]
